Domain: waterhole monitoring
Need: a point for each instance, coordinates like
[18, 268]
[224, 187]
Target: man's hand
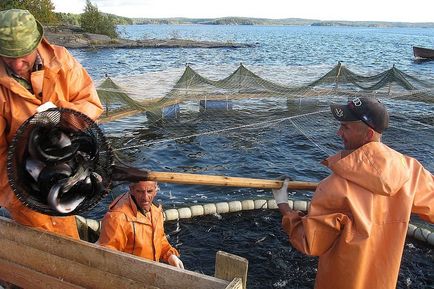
[175, 261]
[281, 195]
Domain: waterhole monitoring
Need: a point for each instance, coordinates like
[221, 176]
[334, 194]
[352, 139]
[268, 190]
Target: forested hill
[73, 19]
[286, 21]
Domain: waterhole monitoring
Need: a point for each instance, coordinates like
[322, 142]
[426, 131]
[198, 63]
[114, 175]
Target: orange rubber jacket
[358, 217]
[62, 81]
[126, 229]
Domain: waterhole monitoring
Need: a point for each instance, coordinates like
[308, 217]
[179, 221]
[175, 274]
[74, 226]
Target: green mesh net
[245, 84]
[197, 105]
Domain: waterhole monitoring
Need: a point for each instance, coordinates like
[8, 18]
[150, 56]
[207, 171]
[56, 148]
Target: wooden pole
[224, 181]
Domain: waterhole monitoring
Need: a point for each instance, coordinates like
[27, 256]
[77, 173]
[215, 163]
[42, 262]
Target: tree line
[91, 20]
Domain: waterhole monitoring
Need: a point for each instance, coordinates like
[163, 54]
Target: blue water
[364, 49]
[258, 153]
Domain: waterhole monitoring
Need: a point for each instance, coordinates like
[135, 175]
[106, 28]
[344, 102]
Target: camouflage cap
[20, 33]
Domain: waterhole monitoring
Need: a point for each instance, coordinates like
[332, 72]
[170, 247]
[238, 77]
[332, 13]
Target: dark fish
[60, 204]
[33, 142]
[50, 175]
[56, 138]
[97, 183]
[57, 155]
[64, 196]
[81, 174]
[85, 187]
[86, 145]
[50, 145]
[34, 168]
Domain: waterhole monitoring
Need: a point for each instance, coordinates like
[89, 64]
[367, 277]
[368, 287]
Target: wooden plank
[237, 283]
[229, 266]
[64, 269]
[91, 264]
[28, 278]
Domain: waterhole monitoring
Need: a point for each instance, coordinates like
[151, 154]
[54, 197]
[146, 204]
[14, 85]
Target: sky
[359, 10]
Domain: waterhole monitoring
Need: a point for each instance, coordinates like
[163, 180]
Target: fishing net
[244, 100]
[55, 149]
[226, 93]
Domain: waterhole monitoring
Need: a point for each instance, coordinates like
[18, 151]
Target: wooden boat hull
[420, 52]
[32, 258]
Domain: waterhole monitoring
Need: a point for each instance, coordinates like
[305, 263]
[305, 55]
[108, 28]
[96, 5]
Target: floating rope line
[417, 232]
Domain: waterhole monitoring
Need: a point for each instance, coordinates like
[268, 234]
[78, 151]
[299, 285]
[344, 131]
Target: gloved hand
[175, 261]
[281, 195]
[45, 106]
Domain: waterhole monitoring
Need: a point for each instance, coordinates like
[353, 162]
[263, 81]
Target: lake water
[362, 49]
[287, 55]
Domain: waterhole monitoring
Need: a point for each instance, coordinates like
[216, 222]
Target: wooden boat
[420, 52]
[31, 258]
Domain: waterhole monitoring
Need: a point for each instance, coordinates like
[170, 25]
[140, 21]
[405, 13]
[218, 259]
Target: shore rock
[74, 37]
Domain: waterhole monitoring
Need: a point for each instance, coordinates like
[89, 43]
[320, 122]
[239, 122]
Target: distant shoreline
[280, 22]
[74, 37]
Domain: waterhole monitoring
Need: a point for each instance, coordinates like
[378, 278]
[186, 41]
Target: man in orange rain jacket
[33, 73]
[134, 225]
[358, 217]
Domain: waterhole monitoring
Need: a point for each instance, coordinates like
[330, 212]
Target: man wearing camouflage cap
[35, 74]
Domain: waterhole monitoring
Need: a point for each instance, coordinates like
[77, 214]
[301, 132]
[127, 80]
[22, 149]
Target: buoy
[170, 112]
[205, 104]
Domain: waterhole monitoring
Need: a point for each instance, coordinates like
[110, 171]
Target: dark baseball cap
[367, 109]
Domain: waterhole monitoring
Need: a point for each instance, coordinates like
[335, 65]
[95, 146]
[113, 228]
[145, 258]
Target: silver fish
[62, 197]
[63, 207]
[57, 155]
[51, 174]
[81, 174]
[50, 147]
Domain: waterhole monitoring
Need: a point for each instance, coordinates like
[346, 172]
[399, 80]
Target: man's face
[144, 193]
[354, 134]
[22, 66]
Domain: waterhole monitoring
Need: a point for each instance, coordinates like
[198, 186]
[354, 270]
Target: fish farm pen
[246, 125]
[243, 100]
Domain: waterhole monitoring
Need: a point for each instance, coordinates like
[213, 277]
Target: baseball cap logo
[339, 112]
[357, 101]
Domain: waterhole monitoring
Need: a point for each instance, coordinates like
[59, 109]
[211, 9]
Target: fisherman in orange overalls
[35, 75]
[359, 215]
[134, 225]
